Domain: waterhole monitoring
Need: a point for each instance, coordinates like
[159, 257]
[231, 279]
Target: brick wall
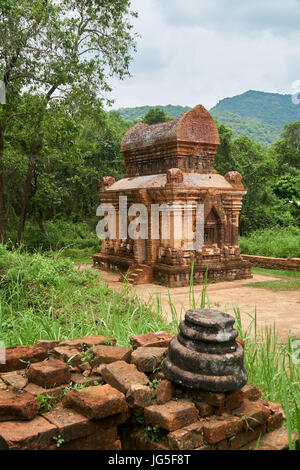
[290, 264]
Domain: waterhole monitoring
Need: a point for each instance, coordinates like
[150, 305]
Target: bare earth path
[283, 307]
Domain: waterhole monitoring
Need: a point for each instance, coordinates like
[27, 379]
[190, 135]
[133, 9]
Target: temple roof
[195, 126]
[191, 180]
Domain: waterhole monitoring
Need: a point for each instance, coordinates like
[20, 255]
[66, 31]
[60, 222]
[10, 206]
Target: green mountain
[260, 116]
[272, 108]
[255, 129]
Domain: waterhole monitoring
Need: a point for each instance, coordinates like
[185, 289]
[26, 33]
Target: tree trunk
[2, 213]
[27, 190]
[41, 222]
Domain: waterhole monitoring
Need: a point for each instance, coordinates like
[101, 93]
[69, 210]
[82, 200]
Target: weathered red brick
[189, 437]
[96, 402]
[54, 392]
[108, 354]
[3, 386]
[137, 440]
[89, 341]
[244, 438]
[139, 396]
[219, 428]
[234, 400]
[204, 409]
[154, 339]
[16, 378]
[214, 399]
[17, 405]
[85, 366]
[172, 415]
[97, 441]
[147, 359]
[68, 354]
[18, 357]
[33, 435]
[223, 445]
[49, 373]
[252, 413]
[48, 345]
[79, 379]
[122, 375]
[277, 417]
[275, 440]
[72, 425]
[251, 392]
[164, 391]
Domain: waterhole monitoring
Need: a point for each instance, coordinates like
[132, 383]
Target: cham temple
[172, 163]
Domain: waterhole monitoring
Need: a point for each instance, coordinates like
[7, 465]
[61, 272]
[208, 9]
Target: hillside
[260, 116]
[255, 129]
[271, 108]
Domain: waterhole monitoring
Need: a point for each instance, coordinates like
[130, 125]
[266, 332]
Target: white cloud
[200, 52]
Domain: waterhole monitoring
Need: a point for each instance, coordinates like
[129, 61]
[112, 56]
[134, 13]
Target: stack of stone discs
[205, 355]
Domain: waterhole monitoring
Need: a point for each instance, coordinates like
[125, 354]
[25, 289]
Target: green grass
[289, 280]
[44, 297]
[278, 242]
[275, 273]
[271, 366]
[292, 285]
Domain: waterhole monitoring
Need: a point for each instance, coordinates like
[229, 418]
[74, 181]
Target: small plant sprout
[46, 403]
[59, 440]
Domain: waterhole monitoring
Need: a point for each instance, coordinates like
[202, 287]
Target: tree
[291, 135]
[155, 115]
[21, 24]
[71, 54]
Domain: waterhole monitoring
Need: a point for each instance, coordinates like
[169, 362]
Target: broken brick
[72, 425]
[236, 442]
[219, 428]
[277, 417]
[96, 402]
[234, 400]
[189, 437]
[49, 373]
[107, 354]
[15, 378]
[122, 375]
[275, 440]
[252, 413]
[17, 405]
[172, 415]
[204, 409]
[48, 345]
[164, 391]
[139, 396]
[160, 339]
[69, 355]
[33, 435]
[251, 392]
[89, 342]
[147, 359]
[18, 357]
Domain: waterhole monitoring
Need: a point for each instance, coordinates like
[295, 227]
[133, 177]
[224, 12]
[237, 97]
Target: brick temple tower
[172, 163]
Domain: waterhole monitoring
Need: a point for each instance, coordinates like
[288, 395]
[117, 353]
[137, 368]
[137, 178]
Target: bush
[278, 242]
[62, 234]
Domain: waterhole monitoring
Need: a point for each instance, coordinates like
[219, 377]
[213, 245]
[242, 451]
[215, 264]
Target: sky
[200, 51]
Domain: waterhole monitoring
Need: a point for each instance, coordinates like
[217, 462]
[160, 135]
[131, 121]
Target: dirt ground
[281, 307]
